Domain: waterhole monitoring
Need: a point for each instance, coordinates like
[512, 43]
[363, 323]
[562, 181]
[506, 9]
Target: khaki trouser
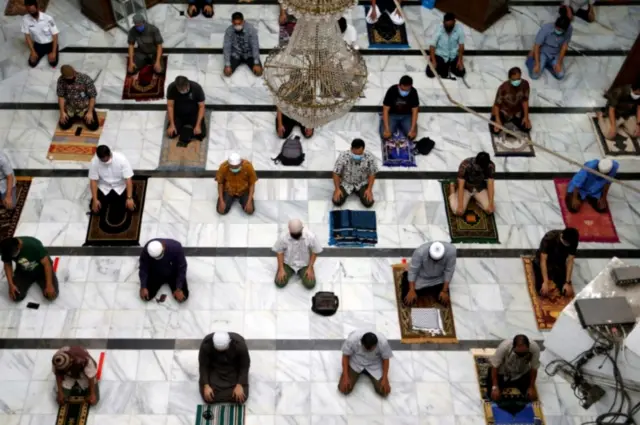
[627, 124]
[482, 198]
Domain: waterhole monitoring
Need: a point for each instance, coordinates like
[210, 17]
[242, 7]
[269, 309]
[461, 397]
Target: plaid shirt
[354, 174]
[236, 184]
[241, 45]
[77, 93]
[475, 178]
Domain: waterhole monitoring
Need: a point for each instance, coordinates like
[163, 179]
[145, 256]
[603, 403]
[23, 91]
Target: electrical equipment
[626, 276]
[594, 312]
[591, 394]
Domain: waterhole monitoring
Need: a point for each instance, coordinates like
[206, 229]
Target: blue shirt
[589, 184]
[172, 265]
[446, 44]
[550, 42]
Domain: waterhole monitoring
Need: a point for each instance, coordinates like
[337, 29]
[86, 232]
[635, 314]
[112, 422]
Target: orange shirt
[236, 184]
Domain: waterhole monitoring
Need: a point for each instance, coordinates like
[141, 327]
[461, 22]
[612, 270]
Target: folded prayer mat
[352, 228]
[398, 152]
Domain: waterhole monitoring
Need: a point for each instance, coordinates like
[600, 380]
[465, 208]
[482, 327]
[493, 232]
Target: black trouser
[140, 60]
[24, 279]
[590, 199]
[236, 62]
[518, 121]
[114, 204]
[522, 383]
[288, 124]
[43, 50]
[228, 201]
[444, 68]
[200, 4]
[580, 13]
[360, 192]
[182, 120]
[433, 291]
[155, 282]
[95, 124]
[557, 273]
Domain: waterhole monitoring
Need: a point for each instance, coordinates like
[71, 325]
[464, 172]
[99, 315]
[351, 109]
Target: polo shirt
[186, 104]
[550, 42]
[41, 30]
[111, 176]
[148, 40]
[447, 44]
[512, 366]
[5, 170]
[588, 184]
[297, 252]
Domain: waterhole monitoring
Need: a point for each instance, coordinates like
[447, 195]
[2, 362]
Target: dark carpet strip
[419, 2]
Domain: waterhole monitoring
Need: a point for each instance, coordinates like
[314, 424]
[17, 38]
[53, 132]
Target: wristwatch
[130, 198]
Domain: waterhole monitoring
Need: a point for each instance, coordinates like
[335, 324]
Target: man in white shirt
[110, 181]
[349, 34]
[583, 9]
[368, 353]
[41, 33]
[297, 249]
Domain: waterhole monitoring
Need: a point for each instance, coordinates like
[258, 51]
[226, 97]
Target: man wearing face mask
[197, 6]
[297, 250]
[583, 9]
[551, 45]
[41, 34]
[185, 110]
[354, 172]
[236, 179]
[475, 180]
[77, 99]
[553, 264]
[400, 110]
[623, 111]
[447, 49]
[429, 273]
[110, 182]
[512, 103]
[514, 364]
[149, 41]
[241, 46]
[224, 368]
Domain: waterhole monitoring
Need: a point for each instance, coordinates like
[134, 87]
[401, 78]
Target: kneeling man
[110, 182]
[553, 264]
[354, 172]
[236, 179]
[514, 365]
[430, 272]
[224, 368]
[368, 353]
[587, 186]
[185, 110]
[475, 180]
[163, 261]
[77, 99]
[75, 372]
[297, 250]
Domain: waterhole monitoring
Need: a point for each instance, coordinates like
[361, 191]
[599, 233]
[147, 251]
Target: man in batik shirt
[77, 99]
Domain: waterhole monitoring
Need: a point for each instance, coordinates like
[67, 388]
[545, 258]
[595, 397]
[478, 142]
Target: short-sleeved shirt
[399, 105]
[77, 93]
[147, 40]
[186, 104]
[40, 30]
[447, 44]
[578, 4]
[360, 359]
[354, 174]
[620, 99]
[475, 178]
[512, 366]
[550, 42]
[79, 377]
[297, 252]
[112, 176]
[5, 170]
[236, 184]
[30, 256]
[557, 252]
[510, 98]
[588, 184]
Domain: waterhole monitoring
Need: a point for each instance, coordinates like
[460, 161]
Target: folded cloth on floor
[427, 320]
[398, 152]
[352, 228]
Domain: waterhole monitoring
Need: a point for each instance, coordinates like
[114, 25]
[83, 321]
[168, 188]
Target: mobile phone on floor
[78, 131]
[162, 298]
[33, 306]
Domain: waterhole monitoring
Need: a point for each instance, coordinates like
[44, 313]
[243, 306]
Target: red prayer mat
[592, 225]
[146, 84]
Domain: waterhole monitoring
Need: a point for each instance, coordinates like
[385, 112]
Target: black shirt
[556, 251]
[186, 104]
[399, 105]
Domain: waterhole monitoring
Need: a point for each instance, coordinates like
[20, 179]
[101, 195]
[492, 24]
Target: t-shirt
[360, 359]
[475, 178]
[512, 366]
[557, 252]
[550, 42]
[147, 40]
[399, 105]
[510, 98]
[30, 255]
[186, 104]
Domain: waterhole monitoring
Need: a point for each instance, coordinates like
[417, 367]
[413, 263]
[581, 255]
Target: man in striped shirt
[240, 46]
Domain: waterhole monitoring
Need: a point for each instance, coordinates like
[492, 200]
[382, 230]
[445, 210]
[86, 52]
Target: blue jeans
[401, 123]
[546, 62]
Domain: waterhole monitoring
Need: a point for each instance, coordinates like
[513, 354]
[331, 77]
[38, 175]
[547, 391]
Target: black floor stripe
[419, 2]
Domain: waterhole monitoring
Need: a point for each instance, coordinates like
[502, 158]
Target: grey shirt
[5, 170]
[147, 40]
[512, 366]
[426, 272]
[360, 359]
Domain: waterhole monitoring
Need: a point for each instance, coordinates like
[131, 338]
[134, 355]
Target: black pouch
[325, 303]
[424, 146]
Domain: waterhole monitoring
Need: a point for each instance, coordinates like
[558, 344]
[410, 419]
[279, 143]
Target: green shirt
[30, 255]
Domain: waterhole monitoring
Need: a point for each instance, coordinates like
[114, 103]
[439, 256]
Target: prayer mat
[16, 7]
[102, 232]
[592, 225]
[507, 145]
[398, 152]
[513, 408]
[413, 336]
[624, 145]
[352, 228]
[220, 414]
[146, 84]
[74, 412]
[66, 146]
[286, 30]
[384, 34]
[546, 309]
[474, 226]
[9, 218]
[193, 156]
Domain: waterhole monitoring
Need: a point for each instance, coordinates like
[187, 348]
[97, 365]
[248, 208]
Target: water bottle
[404, 261]
[429, 4]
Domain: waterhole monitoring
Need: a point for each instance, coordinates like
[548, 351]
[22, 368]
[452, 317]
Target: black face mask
[525, 354]
[449, 28]
[70, 80]
[35, 15]
[296, 236]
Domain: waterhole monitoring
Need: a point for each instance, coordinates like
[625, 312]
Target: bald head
[295, 228]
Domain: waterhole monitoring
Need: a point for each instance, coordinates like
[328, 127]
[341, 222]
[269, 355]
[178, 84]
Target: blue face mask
[403, 93]
[235, 170]
[139, 28]
[356, 157]
[558, 32]
[516, 83]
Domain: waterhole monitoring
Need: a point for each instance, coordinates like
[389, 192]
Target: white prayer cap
[436, 251]
[221, 341]
[155, 249]
[605, 165]
[295, 225]
[234, 159]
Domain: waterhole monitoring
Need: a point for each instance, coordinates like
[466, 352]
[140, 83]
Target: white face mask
[238, 27]
[635, 96]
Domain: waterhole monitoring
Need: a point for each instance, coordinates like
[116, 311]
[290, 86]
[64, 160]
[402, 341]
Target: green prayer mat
[220, 414]
[74, 412]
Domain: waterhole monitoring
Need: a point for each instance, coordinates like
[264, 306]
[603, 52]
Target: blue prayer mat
[352, 228]
[398, 152]
[526, 416]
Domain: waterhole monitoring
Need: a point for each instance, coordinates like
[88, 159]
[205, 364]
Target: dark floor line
[419, 2]
[479, 252]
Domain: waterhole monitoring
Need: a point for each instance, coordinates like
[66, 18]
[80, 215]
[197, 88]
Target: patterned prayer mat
[514, 408]
[546, 309]
[398, 152]
[352, 228]
[592, 225]
[146, 84]
[9, 218]
[408, 334]
[102, 232]
[474, 226]
[66, 146]
[507, 145]
[16, 7]
[286, 30]
[190, 157]
[220, 414]
[74, 412]
[384, 34]
[624, 145]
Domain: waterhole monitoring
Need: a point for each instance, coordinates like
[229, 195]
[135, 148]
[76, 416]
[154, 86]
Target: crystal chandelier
[316, 77]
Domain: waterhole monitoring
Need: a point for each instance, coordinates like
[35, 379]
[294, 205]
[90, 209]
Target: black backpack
[325, 303]
[291, 152]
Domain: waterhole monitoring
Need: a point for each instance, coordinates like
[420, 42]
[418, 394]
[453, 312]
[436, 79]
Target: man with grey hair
[297, 250]
[185, 110]
[149, 41]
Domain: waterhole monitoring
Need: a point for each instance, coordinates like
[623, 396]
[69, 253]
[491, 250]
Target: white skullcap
[436, 251]
[155, 249]
[234, 159]
[605, 165]
[221, 341]
[295, 225]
